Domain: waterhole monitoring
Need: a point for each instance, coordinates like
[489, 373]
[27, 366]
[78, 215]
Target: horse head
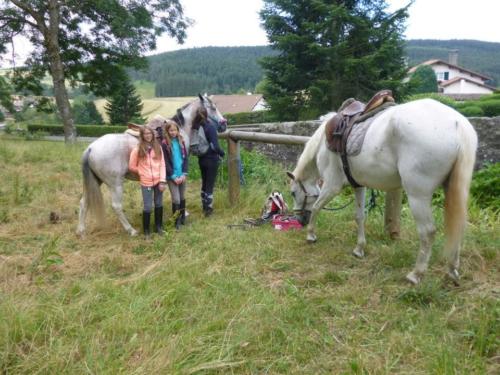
[304, 192]
[214, 116]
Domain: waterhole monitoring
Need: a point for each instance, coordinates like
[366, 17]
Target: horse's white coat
[417, 146]
[106, 161]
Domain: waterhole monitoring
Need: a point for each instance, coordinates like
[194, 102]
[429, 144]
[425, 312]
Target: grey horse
[106, 161]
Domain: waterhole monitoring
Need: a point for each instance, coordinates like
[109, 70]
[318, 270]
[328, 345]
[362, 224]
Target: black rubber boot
[146, 218]
[176, 213]
[159, 220]
[183, 212]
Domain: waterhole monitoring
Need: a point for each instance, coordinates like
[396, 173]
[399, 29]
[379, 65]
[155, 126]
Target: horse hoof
[133, 232]
[311, 239]
[413, 278]
[358, 253]
[454, 276]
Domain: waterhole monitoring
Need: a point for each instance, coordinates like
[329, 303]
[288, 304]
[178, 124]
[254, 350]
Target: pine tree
[330, 50]
[125, 105]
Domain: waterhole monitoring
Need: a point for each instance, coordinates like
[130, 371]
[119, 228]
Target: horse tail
[92, 188]
[457, 190]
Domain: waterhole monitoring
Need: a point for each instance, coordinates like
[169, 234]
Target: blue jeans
[147, 197]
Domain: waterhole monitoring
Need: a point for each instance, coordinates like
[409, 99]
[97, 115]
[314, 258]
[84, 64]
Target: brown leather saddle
[350, 113]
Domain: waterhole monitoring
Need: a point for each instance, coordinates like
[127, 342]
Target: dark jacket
[167, 154]
[214, 151]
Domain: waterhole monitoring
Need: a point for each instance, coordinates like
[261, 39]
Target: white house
[456, 81]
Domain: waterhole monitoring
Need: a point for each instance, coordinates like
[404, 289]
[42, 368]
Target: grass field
[153, 106]
[214, 300]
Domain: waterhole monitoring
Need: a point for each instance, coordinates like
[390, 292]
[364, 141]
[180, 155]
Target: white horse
[106, 161]
[417, 146]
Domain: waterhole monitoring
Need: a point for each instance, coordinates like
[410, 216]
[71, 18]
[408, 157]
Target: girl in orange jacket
[147, 161]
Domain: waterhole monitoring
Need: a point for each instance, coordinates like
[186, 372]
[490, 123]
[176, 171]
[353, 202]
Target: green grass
[210, 300]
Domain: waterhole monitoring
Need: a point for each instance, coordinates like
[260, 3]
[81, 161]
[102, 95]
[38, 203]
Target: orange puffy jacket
[151, 171]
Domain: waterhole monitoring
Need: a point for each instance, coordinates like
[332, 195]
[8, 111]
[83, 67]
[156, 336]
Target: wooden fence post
[233, 166]
[392, 215]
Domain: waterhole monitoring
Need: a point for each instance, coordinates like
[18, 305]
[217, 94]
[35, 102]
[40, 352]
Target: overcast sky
[236, 22]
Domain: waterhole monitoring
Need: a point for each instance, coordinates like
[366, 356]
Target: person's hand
[161, 187]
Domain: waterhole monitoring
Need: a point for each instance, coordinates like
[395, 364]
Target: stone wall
[488, 131]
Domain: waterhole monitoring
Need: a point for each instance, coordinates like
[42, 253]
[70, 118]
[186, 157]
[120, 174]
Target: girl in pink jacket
[147, 161]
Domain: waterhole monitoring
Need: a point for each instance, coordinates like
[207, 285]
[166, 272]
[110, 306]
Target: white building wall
[465, 87]
[453, 73]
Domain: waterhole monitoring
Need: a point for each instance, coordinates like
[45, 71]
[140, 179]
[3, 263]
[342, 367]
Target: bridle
[306, 195]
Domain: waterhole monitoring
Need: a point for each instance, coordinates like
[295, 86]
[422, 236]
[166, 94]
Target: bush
[2, 116]
[485, 187]
[471, 111]
[490, 107]
[81, 130]
[423, 80]
[256, 117]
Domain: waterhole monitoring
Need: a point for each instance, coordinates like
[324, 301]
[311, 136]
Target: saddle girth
[351, 112]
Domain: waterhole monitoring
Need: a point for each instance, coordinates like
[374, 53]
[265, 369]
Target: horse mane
[310, 150]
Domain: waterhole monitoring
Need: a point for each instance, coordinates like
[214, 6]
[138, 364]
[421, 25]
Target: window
[443, 76]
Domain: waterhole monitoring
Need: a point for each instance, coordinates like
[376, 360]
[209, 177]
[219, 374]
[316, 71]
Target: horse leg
[327, 193]
[422, 212]
[116, 203]
[359, 250]
[82, 214]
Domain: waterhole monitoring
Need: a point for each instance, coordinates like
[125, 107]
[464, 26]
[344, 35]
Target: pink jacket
[150, 171]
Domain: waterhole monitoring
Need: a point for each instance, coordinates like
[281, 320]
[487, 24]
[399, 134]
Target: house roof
[236, 103]
[436, 61]
[458, 79]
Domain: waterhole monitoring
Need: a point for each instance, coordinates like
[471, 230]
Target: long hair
[200, 117]
[144, 145]
[166, 136]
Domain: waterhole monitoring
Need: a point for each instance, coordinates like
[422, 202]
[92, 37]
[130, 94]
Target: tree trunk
[57, 72]
[62, 100]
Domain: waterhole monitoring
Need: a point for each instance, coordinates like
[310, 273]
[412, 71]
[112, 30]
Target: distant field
[154, 106]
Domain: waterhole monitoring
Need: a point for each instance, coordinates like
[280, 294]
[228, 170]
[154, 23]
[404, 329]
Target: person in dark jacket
[209, 162]
[176, 165]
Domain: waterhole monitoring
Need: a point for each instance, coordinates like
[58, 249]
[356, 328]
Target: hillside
[221, 70]
[225, 70]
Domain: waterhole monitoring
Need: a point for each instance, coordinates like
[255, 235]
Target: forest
[221, 70]
[229, 70]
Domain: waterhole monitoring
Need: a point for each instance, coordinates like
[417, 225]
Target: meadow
[209, 299]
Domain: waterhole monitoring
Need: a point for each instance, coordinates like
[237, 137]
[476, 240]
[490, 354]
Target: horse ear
[201, 97]
[290, 174]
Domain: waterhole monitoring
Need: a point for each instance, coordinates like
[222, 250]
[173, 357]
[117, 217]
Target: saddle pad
[357, 137]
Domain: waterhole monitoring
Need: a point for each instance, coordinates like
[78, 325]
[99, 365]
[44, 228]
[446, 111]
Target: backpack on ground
[199, 144]
[275, 204]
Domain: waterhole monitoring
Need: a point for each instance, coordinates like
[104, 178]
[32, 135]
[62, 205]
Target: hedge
[471, 111]
[81, 130]
[256, 117]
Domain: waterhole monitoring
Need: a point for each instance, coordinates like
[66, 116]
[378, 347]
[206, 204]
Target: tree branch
[40, 23]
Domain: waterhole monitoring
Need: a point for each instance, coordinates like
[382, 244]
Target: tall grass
[209, 299]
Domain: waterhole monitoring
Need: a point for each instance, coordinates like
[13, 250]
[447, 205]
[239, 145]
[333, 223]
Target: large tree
[329, 50]
[90, 41]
